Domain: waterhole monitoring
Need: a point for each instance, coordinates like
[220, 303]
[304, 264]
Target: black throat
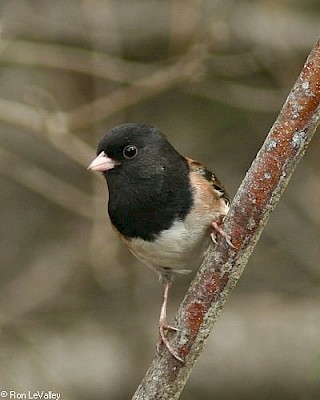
[141, 205]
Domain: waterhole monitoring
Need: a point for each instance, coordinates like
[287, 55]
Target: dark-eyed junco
[165, 207]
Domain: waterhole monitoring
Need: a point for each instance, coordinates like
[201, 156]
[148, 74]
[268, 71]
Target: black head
[133, 146]
[147, 179]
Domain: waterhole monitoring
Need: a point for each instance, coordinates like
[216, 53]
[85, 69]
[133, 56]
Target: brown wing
[217, 186]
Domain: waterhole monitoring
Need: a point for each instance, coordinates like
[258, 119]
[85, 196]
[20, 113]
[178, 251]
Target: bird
[166, 208]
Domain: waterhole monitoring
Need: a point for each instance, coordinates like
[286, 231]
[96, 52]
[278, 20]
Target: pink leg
[217, 229]
[163, 325]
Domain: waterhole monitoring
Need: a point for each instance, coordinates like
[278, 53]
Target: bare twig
[256, 198]
[52, 126]
[235, 65]
[184, 23]
[158, 82]
[45, 184]
[72, 59]
[58, 125]
[239, 95]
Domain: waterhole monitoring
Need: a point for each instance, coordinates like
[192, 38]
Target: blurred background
[78, 313]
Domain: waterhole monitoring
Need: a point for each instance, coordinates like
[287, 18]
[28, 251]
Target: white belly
[180, 247]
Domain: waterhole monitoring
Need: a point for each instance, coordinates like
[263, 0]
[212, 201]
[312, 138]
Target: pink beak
[102, 163]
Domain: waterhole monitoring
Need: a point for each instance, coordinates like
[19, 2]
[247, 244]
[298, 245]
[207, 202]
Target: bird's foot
[216, 228]
[163, 329]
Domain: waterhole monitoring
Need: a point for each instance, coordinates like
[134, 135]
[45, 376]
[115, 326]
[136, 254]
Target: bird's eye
[130, 151]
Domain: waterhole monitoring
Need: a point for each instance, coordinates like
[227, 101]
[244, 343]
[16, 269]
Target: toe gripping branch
[216, 228]
[164, 327]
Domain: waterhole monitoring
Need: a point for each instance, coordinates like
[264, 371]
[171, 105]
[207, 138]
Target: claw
[171, 328]
[230, 243]
[165, 341]
[213, 237]
[217, 229]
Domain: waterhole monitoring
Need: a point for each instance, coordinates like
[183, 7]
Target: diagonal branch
[72, 59]
[44, 183]
[186, 68]
[256, 198]
[58, 126]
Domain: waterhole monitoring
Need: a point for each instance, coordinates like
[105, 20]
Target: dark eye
[130, 151]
